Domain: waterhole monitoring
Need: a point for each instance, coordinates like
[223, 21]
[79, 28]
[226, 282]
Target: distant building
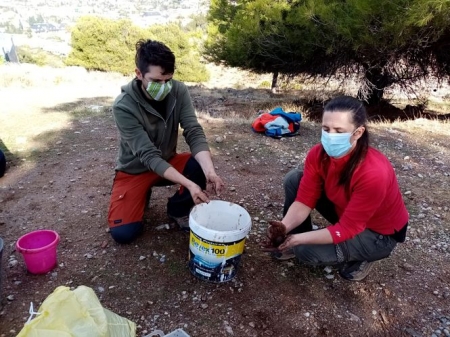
[8, 48]
[43, 27]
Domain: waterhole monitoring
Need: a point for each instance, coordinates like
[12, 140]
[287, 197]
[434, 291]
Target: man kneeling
[148, 114]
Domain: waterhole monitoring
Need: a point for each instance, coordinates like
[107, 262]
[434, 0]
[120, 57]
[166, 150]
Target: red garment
[375, 199]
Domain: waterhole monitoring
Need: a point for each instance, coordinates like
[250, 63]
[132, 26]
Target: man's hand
[197, 194]
[276, 235]
[214, 182]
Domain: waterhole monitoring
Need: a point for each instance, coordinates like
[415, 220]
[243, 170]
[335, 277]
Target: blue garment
[293, 118]
[2, 164]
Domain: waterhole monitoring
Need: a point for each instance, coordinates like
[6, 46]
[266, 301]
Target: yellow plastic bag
[77, 313]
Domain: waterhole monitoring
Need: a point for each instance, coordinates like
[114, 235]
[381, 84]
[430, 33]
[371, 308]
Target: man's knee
[127, 233]
[194, 172]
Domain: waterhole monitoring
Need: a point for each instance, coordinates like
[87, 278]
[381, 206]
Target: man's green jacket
[147, 140]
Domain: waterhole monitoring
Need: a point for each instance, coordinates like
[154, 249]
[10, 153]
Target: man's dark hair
[154, 53]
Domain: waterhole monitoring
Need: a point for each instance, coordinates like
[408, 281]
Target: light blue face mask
[336, 144]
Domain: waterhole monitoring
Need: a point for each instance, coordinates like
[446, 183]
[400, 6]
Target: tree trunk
[274, 82]
[372, 90]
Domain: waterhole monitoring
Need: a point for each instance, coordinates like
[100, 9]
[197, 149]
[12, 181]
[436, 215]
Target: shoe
[183, 222]
[356, 271]
[284, 256]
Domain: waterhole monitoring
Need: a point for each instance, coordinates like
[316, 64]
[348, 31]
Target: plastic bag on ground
[77, 313]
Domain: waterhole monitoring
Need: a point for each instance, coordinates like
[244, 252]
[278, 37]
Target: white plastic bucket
[217, 238]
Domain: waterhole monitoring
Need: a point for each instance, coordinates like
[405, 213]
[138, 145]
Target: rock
[354, 318]
[407, 266]
[327, 269]
[204, 305]
[412, 332]
[228, 328]
[10, 298]
[232, 188]
[142, 257]
[13, 263]
[252, 324]
[161, 227]
[104, 244]
[88, 256]
[307, 314]
[329, 276]
[219, 139]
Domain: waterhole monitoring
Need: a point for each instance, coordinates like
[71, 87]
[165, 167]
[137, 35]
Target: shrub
[38, 56]
[109, 45]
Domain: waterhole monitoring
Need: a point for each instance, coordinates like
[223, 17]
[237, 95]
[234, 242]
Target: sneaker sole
[283, 257]
[359, 277]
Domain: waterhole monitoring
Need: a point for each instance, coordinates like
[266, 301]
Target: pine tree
[385, 41]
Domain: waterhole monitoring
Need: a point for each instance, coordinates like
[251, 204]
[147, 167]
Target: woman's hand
[291, 241]
[276, 234]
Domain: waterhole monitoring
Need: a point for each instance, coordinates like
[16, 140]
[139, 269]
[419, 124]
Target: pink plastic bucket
[38, 249]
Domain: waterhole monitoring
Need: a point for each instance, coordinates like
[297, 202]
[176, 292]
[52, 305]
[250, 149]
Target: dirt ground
[59, 177]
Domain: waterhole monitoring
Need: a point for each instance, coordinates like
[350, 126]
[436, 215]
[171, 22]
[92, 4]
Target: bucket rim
[204, 204]
[241, 233]
[37, 250]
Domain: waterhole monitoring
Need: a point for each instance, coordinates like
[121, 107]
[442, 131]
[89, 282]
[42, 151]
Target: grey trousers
[366, 246]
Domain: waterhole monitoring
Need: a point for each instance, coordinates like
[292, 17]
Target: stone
[353, 317]
[219, 139]
[13, 263]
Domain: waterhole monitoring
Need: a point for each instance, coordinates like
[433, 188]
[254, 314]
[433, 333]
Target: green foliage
[103, 44]
[386, 41]
[264, 85]
[39, 57]
[108, 45]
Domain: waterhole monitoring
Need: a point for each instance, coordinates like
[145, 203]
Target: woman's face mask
[159, 91]
[336, 144]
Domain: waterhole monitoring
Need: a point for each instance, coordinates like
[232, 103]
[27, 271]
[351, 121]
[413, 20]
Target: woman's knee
[292, 179]
[315, 255]
[127, 233]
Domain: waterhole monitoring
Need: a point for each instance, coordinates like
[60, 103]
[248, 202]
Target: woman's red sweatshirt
[375, 201]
